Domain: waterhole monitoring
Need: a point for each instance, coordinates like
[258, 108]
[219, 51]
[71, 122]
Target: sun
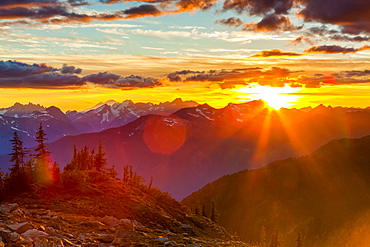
[275, 97]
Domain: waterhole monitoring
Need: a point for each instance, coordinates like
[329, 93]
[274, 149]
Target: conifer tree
[299, 240]
[214, 215]
[204, 211]
[18, 154]
[41, 152]
[42, 165]
[100, 161]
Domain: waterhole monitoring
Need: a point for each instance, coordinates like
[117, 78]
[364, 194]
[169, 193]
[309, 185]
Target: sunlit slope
[324, 196]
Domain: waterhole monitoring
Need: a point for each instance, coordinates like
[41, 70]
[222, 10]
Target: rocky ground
[34, 226]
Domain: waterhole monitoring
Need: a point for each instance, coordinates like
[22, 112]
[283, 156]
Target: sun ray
[275, 97]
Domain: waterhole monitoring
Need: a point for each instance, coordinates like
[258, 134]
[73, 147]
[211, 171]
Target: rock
[5, 236]
[188, 229]
[94, 224]
[20, 227]
[132, 222]
[33, 234]
[105, 238]
[2, 244]
[9, 207]
[193, 245]
[14, 237]
[110, 221]
[124, 233]
[170, 243]
[163, 239]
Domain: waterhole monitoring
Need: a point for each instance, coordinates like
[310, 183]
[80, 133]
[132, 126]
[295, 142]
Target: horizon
[73, 53]
[94, 106]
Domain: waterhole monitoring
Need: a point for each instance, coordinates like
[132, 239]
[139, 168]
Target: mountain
[324, 196]
[19, 110]
[194, 146]
[113, 114]
[26, 119]
[88, 208]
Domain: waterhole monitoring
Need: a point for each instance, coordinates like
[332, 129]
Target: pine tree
[18, 154]
[150, 183]
[41, 152]
[204, 211]
[214, 215]
[299, 240]
[42, 165]
[100, 161]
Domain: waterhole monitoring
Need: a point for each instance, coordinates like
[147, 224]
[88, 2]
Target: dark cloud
[175, 76]
[335, 49]
[275, 53]
[352, 15]
[354, 73]
[320, 33]
[111, 80]
[346, 38]
[271, 23]
[70, 70]
[14, 69]
[258, 7]
[141, 11]
[42, 12]
[15, 74]
[231, 22]
[20, 3]
[75, 3]
[49, 80]
[104, 78]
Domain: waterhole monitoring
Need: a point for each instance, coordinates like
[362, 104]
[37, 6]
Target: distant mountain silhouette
[196, 145]
[324, 196]
[114, 114]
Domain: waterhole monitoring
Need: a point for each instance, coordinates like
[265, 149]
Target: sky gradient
[76, 53]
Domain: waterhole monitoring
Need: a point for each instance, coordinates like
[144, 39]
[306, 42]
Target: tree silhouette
[299, 240]
[100, 161]
[18, 154]
[42, 165]
[214, 214]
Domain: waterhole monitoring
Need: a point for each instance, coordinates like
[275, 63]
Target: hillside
[194, 146]
[102, 211]
[323, 196]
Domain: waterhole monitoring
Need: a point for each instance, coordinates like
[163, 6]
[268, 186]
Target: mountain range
[196, 145]
[25, 119]
[323, 196]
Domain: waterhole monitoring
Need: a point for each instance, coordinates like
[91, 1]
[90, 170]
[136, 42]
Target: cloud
[15, 74]
[257, 7]
[275, 53]
[14, 69]
[353, 73]
[352, 15]
[111, 80]
[70, 70]
[141, 11]
[272, 23]
[176, 76]
[314, 34]
[335, 49]
[231, 22]
[31, 3]
[49, 80]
